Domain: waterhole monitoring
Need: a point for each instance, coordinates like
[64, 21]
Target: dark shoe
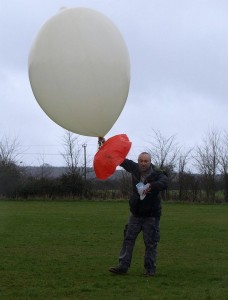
[118, 270]
[149, 273]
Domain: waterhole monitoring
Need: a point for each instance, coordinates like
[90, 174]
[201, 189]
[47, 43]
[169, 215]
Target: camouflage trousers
[151, 236]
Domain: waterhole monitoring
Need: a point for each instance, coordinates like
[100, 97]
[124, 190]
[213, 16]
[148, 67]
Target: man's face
[144, 162]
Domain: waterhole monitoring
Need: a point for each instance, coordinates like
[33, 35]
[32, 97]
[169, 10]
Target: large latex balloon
[79, 71]
[110, 155]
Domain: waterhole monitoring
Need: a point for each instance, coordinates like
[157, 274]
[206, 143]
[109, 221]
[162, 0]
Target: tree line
[197, 174]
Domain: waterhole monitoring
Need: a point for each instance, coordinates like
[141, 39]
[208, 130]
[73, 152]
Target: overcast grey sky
[179, 71]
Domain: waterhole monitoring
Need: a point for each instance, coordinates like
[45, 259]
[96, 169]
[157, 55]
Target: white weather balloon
[79, 70]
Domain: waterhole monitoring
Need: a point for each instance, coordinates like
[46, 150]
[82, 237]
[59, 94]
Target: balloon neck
[101, 141]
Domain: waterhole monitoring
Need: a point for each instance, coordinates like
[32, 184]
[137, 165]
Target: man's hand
[147, 188]
[101, 141]
[143, 189]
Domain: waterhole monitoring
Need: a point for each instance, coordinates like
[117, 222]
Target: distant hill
[55, 172]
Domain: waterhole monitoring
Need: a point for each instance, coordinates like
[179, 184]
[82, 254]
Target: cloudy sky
[179, 70]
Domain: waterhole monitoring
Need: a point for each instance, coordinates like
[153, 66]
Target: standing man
[145, 207]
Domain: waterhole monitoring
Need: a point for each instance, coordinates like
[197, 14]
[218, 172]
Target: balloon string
[101, 141]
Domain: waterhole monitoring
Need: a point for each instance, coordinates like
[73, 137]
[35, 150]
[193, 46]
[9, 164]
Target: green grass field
[62, 250]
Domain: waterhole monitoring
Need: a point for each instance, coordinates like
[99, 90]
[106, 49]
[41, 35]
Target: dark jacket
[151, 204]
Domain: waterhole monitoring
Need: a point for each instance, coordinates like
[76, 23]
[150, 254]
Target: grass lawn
[62, 250]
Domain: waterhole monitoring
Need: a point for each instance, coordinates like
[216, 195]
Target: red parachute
[110, 155]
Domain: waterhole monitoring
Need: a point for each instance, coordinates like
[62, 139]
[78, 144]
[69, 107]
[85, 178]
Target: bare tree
[223, 166]
[183, 160]
[10, 173]
[207, 162]
[164, 150]
[72, 155]
[9, 150]
[72, 151]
